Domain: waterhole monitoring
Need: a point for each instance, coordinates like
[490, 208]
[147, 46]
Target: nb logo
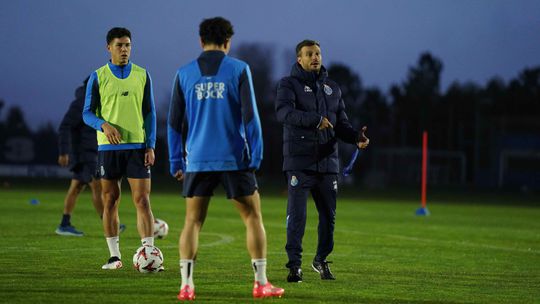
[126, 93]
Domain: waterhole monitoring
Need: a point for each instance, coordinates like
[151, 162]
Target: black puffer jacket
[303, 99]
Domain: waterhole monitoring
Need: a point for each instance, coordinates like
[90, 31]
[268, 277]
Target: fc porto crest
[328, 90]
[294, 181]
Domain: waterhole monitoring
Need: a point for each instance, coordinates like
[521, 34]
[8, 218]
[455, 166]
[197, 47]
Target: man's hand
[112, 134]
[179, 175]
[149, 157]
[325, 123]
[364, 141]
[63, 160]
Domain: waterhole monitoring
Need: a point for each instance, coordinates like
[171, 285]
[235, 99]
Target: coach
[312, 111]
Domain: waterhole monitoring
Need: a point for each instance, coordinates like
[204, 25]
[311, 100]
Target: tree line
[481, 121]
[478, 120]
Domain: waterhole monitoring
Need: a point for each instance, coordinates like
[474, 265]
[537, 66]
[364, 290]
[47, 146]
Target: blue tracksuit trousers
[323, 188]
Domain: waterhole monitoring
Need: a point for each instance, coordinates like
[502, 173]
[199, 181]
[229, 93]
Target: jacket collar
[212, 54]
[120, 71]
[115, 67]
[309, 77]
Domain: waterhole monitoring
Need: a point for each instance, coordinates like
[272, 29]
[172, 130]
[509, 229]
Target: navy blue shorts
[116, 164]
[236, 183]
[84, 172]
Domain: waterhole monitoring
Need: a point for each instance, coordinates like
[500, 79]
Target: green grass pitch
[465, 252]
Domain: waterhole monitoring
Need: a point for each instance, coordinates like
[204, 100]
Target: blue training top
[213, 98]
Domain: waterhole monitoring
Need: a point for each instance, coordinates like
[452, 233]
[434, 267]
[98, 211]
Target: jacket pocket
[303, 143]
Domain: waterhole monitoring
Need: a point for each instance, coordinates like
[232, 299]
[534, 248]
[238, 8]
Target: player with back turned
[214, 94]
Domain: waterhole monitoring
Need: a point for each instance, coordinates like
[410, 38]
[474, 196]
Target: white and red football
[148, 259]
[161, 229]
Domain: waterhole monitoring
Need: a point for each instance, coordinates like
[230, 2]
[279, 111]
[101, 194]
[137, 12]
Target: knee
[76, 188]
[142, 200]
[110, 197]
[79, 187]
[253, 215]
[193, 220]
[110, 206]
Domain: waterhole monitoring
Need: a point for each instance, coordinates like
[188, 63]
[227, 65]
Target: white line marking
[460, 243]
[426, 240]
[223, 239]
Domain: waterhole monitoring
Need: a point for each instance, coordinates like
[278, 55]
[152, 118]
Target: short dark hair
[215, 30]
[304, 43]
[117, 32]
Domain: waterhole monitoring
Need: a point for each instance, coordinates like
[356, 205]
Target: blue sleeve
[250, 117]
[149, 113]
[175, 121]
[92, 102]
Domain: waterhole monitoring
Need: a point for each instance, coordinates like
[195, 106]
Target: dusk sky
[49, 47]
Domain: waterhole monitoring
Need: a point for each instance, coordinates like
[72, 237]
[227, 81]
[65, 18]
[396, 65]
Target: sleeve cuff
[358, 137]
[175, 166]
[151, 145]
[99, 124]
[255, 163]
[320, 121]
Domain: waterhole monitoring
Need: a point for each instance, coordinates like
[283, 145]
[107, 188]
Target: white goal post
[518, 162]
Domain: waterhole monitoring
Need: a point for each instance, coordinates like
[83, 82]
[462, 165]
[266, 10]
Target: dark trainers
[322, 268]
[68, 230]
[295, 275]
[121, 228]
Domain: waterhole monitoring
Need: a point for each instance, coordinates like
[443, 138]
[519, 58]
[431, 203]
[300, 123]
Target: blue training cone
[422, 211]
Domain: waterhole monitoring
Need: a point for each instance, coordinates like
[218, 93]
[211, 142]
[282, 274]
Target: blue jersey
[213, 99]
